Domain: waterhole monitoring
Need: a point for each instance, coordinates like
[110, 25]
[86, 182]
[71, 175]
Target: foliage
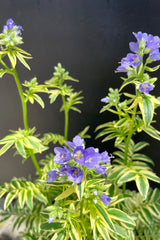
[78, 193]
[134, 114]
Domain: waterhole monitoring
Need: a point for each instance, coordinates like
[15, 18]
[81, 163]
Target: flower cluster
[11, 34]
[89, 157]
[146, 44]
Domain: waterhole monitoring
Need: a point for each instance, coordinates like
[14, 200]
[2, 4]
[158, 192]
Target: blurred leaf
[21, 59]
[66, 193]
[147, 109]
[121, 216]
[142, 185]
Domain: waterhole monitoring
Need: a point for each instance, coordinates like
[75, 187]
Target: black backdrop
[89, 38]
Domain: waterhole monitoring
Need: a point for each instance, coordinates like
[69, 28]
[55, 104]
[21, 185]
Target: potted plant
[79, 193]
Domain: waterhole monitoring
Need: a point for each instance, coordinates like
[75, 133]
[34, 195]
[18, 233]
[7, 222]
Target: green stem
[129, 136]
[24, 105]
[127, 142]
[25, 117]
[66, 114]
[4, 65]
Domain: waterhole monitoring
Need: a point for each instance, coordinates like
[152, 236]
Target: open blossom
[145, 88]
[79, 155]
[100, 169]
[105, 158]
[155, 55]
[52, 175]
[139, 35]
[92, 157]
[63, 170]
[131, 60]
[77, 142]
[153, 42]
[62, 155]
[150, 42]
[75, 174]
[105, 199]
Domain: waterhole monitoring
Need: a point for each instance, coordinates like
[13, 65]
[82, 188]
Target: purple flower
[134, 46]
[105, 199]
[100, 169]
[145, 88]
[131, 60]
[9, 24]
[155, 55]
[78, 155]
[77, 142]
[139, 35]
[75, 174]
[50, 219]
[105, 157]
[52, 175]
[105, 99]
[122, 68]
[153, 42]
[62, 155]
[91, 158]
[63, 170]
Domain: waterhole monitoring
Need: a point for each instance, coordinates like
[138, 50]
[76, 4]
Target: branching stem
[25, 117]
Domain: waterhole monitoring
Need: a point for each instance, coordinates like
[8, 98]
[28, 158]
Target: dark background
[89, 38]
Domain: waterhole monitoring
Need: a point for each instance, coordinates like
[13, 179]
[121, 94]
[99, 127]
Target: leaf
[150, 175]
[142, 185]
[22, 51]
[9, 198]
[54, 95]
[29, 198]
[5, 148]
[105, 216]
[75, 230]
[147, 109]
[147, 216]
[79, 188]
[66, 193]
[57, 224]
[142, 157]
[116, 173]
[22, 197]
[2, 72]
[155, 195]
[20, 147]
[21, 59]
[2, 192]
[121, 122]
[60, 235]
[39, 100]
[103, 231]
[126, 82]
[151, 131]
[127, 177]
[12, 58]
[140, 145]
[110, 136]
[39, 196]
[121, 232]
[136, 102]
[149, 69]
[121, 216]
